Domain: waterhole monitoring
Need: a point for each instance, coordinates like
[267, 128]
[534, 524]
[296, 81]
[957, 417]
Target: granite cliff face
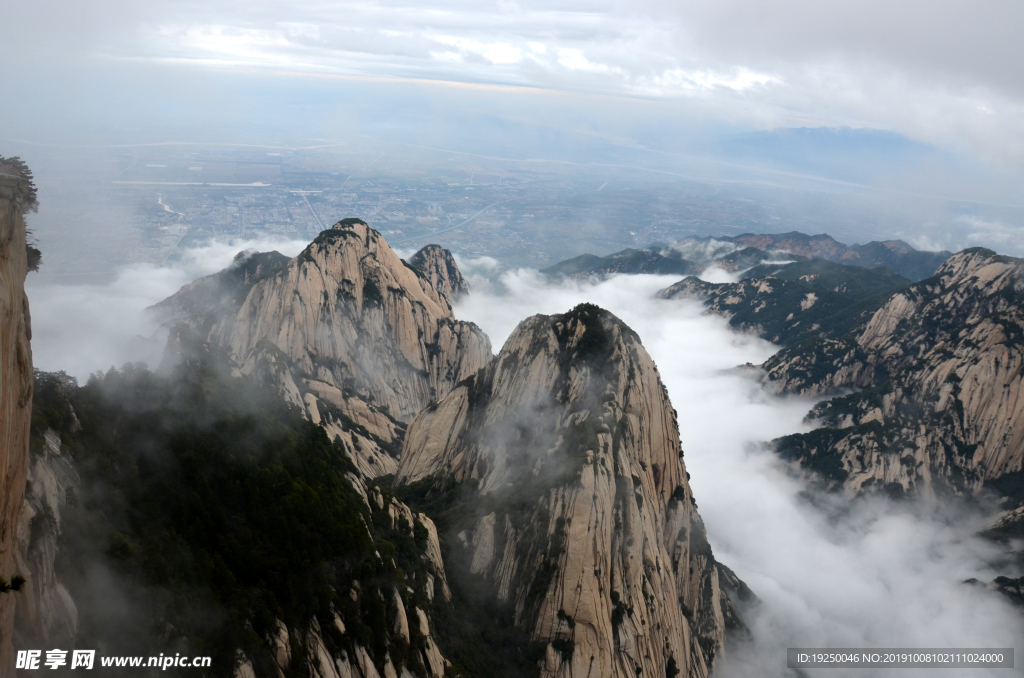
[358, 338]
[941, 364]
[560, 468]
[46, 614]
[16, 197]
[438, 266]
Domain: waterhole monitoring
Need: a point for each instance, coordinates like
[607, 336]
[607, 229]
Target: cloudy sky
[942, 72]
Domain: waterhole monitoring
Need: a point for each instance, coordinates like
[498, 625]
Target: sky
[941, 72]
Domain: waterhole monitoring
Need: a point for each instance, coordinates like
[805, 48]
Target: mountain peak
[346, 330]
[438, 266]
[576, 513]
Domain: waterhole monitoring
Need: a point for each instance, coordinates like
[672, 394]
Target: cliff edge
[16, 197]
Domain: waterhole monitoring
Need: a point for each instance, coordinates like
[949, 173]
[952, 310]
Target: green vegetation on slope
[207, 511]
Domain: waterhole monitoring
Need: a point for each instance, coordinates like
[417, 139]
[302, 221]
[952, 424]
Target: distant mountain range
[692, 256]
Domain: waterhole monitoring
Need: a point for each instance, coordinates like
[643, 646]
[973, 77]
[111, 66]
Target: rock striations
[358, 338]
[562, 465]
[942, 368]
[438, 265]
[16, 197]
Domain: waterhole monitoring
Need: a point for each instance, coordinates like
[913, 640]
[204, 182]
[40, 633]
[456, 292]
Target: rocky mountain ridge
[356, 337]
[893, 254]
[941, 366]
[660, 261]
[561, 468]
[541, 492]
[17, 196]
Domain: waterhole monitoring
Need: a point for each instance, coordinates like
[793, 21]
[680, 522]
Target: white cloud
[82, 329]
[495, 52]
[994, 234]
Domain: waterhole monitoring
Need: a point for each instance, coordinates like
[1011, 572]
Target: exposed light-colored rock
[352, 314]
[401, 625]
[438, 266]
[571, 425]
[280, 645]
[947, 357]
[15, 391]
[349, 332]
[46, 614]
[245, 670]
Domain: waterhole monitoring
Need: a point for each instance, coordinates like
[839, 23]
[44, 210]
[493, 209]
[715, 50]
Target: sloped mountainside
[789, 303]
[332, 477]
[17, 195]
[358, 338]
[566, 507]
[238, 531]
[940, 366]
[653, 260]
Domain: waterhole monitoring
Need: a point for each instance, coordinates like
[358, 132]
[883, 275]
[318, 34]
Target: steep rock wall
[438, 266]
[15, 391]
[46, 614]
[581, 520]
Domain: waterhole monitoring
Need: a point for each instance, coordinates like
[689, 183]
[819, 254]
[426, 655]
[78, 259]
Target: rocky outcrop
[46, 614]
[942, 365]
[347, 331]
[329, 644]
[562, 464]
[16, 197]
[438, 266]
